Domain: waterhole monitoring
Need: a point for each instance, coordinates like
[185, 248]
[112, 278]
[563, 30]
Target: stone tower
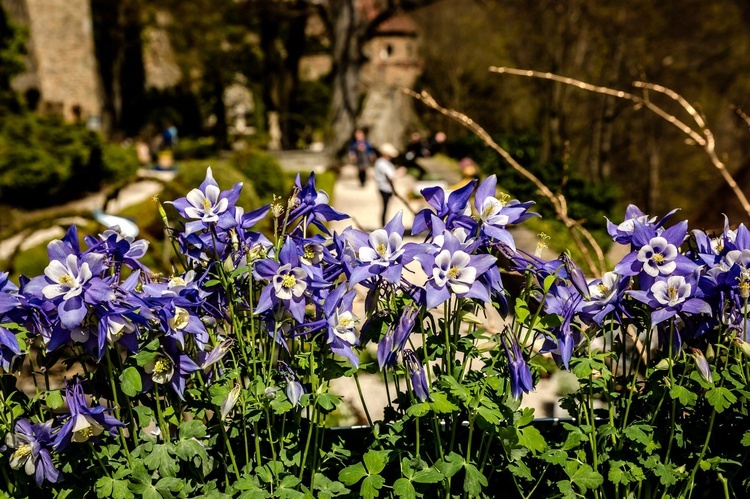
[393, 63]
[61, 69]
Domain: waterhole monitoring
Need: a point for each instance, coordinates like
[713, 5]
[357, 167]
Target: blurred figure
[437, 143]
[416, 148]
[385, 172]
[469, 172]
[361, 154]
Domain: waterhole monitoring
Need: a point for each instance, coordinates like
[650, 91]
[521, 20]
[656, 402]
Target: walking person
[385, 172]
[361, 154]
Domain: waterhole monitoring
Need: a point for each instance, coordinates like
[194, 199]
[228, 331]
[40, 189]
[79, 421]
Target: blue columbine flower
[288, 282]
[383, 252]
[495, 215]
[171, 366]
[71, 283]
[668, 297]
[84, 422]
[311, 205]
[454, 212]
[341, 333]
[453, 270]
[623, 233]
[208, 204]
[294, 389]
[396, 337]
[656, 254]
[418, 375]
[520, 375]
[31, 444]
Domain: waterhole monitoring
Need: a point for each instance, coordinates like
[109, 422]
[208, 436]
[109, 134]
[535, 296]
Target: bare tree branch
[703, 137]
[558, 201]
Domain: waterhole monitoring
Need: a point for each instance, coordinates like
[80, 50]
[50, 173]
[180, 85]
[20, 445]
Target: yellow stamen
[381, 249]
[453, 272]
[309, 252]
[162, 366]
[288, 281]
[85, 433]
[67, 280]
[22, 451]
[206, 204]
[658, 258]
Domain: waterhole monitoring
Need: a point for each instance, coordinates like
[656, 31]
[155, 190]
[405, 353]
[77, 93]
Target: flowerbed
[214, 381]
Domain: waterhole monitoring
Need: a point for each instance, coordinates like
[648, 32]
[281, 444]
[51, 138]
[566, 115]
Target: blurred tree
[117, 42]
[12, 53]
[696, 48]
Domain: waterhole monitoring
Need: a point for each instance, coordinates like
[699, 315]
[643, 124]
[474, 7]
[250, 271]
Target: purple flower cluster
[694, 284]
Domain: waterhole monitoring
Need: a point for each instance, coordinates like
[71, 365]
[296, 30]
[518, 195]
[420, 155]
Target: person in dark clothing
[415, 149]
[361, 154]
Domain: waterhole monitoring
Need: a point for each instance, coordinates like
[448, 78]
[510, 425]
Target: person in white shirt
[385, 172]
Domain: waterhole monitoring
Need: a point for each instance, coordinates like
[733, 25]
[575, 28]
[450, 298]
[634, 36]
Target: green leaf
[440, 403]
[638, 433]
[404, 489]
[586, 478]
[169, 484]
[450, 465]
[54, 399]
[110, 487]
[375, 461]
[353, 474]
[144, 357]
[720, 398]
[145, 415]
[685, 396]
[130, 382]
[474, 481]
[530, 438]
[566, 488]
[141, 483]
[527, 416]
[521, 310]
[573, 440]
[419, 409]
[455, 388]
[188, 449]
[492, 416]
[430, 475]
[161, 458]
[371, 486]
[192, 429]
[520, 469]
[746, 439]
[327, 401]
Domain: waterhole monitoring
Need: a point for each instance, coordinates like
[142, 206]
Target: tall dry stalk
[559, 203]
[700, 136]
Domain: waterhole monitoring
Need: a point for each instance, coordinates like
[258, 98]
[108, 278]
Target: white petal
[196, 198]
[443, 260]
[367, 254]
[55, 270]
[460, 259]
[53, 291]
[667, 268]
[212, 193]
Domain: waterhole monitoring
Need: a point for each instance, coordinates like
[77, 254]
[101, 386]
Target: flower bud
[743, 345]
[470, 318]
[664, 364]
[230, 401]
[270, 392]
[702, 365]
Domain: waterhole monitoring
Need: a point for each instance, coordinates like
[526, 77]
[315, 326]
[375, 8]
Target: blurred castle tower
[393, 63]
[61, 75]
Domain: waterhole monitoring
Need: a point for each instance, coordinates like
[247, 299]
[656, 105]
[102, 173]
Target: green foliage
[191, 148]
[44, 161]
[264, 171]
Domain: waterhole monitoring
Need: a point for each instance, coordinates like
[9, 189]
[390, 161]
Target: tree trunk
[347, 61]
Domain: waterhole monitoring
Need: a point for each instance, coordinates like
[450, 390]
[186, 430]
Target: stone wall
[61, 65]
